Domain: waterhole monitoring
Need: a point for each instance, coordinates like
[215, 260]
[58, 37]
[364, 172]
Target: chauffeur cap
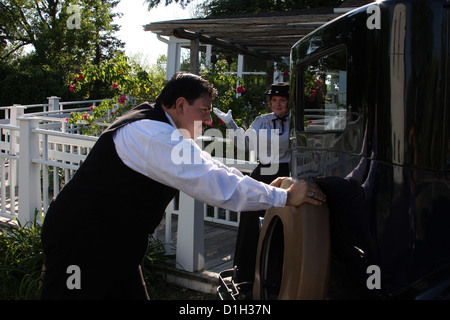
[279, 89]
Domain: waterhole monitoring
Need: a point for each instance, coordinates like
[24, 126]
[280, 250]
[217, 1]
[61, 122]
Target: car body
[371, 125]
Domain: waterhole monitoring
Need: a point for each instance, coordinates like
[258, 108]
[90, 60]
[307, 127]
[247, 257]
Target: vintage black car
[370, 101]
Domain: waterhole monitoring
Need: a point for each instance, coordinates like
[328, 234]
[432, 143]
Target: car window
[325, 93]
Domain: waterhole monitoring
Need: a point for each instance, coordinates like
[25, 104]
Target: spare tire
[293, 258]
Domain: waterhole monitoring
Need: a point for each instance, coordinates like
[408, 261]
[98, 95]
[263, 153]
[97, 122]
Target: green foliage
[246, 100]
[122, 80]
[44, 25]
[25, 82]
[56, 49]
[154, 3]
[99, 79]
[233, 7]
[154, 262]
[21, 261]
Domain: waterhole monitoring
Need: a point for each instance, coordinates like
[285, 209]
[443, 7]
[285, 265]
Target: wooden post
[195, 67]
[29, 173]
[190, 240]
[16, 112]
[173, 57]
[270, 71]
[53, 102]
[240, 70]
[208, 56]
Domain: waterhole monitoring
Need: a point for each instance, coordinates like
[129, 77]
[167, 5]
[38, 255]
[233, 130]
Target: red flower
[91, 108]
[220, 121]
[115, 85]
[72, 88]
[122, 99]
[79, 77]
[240, 89]
[285, 73]
[85, 115]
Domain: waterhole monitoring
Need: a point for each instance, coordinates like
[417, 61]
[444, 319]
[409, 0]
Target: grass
[22, 259]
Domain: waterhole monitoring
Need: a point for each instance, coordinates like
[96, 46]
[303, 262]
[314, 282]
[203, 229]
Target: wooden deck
[220, 241]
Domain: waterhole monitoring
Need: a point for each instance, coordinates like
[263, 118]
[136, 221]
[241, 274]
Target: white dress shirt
[158, 151]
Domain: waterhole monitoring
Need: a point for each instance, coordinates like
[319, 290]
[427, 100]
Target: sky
[135, 16]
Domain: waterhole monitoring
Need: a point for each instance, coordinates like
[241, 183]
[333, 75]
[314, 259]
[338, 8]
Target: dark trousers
[99, 276]
[105, 282]
[248, 232]
[94, 265]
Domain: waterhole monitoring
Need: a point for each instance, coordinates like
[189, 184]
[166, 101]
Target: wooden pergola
[269, 36]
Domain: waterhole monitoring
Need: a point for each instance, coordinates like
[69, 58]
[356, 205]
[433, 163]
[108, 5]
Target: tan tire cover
[306, 260]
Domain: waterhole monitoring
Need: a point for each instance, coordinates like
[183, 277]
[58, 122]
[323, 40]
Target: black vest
[106, 201]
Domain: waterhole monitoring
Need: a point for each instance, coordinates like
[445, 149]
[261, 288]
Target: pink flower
[115, 85]
[72, 88]
[91, 108]
[313, 93]
[67, 119]
[310, 121]
[85, 115]
[122, 99]
[240, 89]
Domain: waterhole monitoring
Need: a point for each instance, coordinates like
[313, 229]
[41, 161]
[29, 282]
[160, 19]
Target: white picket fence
[39, 153]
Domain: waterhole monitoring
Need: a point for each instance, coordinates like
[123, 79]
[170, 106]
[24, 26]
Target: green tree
[233, 7]
[230, 7]
[46, 26]
[154, 3]
[58, 45]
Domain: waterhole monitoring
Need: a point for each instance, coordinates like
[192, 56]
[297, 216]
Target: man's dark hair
[186, 85]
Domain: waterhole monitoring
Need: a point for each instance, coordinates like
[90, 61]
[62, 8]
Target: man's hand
[280, 182]
[303, 191]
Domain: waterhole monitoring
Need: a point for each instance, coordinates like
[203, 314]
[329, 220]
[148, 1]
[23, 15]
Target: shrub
[21, 261]
[245, 100]
[123, 83]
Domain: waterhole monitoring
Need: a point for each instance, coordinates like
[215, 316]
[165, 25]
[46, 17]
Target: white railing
[51, 115]
[48, 157]
[8, 170]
